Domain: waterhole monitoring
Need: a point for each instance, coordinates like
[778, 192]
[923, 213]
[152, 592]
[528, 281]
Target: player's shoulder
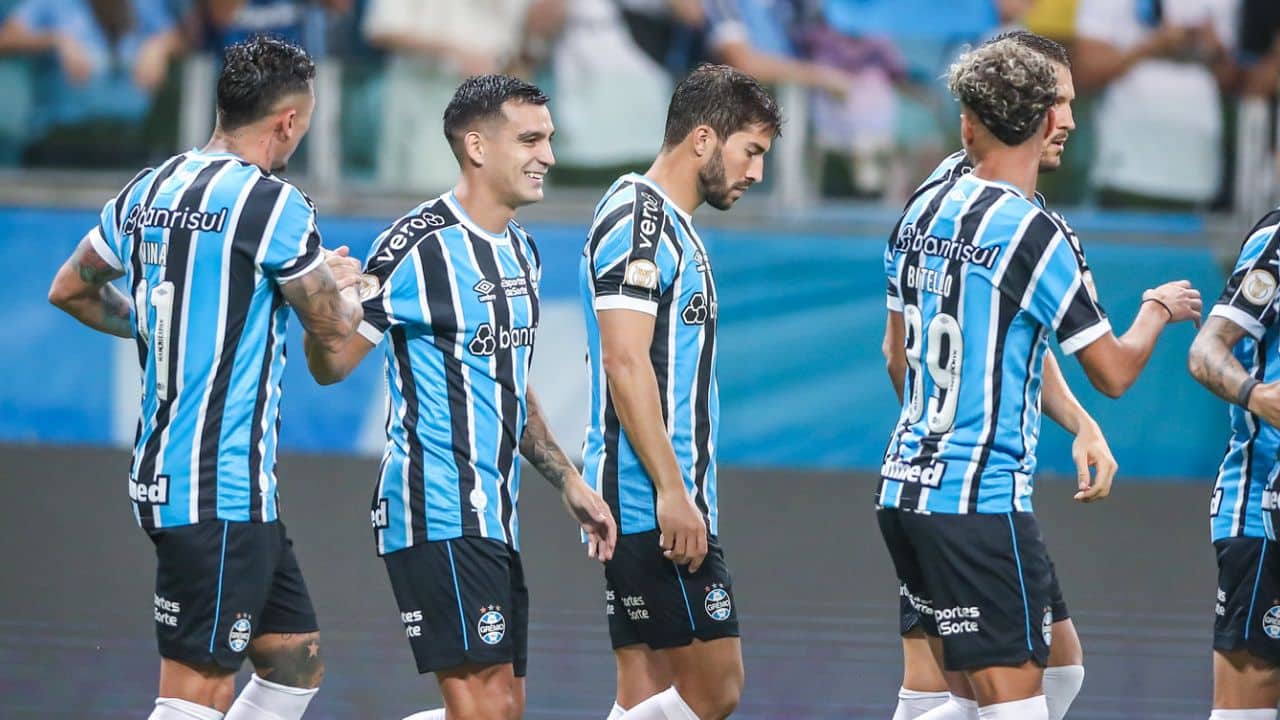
[953, 166]
[407, 232]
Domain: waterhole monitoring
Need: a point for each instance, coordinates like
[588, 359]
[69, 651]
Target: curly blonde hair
[1008, 86]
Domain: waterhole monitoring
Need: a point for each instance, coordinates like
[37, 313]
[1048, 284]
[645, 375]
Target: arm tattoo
[115, 312]
[91, 268]
[1212, 362]
[540, 448]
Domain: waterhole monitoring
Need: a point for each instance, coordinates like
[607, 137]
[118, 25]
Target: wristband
[1162, 304]
[1246, 389]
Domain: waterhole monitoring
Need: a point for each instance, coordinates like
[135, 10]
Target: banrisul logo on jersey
[492, 626]
[241, 633]
[717, 603]
[486, 342]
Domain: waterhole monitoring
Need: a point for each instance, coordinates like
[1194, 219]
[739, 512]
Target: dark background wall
[814, 586]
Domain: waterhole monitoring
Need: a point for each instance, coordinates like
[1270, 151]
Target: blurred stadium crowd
[1176, 109]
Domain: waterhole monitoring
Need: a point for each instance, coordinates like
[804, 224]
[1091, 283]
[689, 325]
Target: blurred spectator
[230, 21]
[433, 46]
[1011, 15]
[755, 37]
[668, 31]
[1260, 47]
[101, 63]
[610, 104]
[1159, 64]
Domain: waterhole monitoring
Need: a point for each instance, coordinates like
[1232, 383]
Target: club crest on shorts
[1271, 622]
[241, 633]
[1046, 626]
[718, 604]
[1259, 286]
[492, 626]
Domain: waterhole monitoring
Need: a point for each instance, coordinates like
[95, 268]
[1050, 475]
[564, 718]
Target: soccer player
[650, 300]
[453, 288]
[1234, 356]
[982, 276]
[215, 249]
[924, 686]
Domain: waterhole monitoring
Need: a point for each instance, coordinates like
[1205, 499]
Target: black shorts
[981, 582]
[219, 584]
[652, 601]
[909, 619]
[1247, 611]
[462, 601]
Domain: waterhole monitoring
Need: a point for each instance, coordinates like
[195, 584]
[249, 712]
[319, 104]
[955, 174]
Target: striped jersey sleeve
[893, 294]
[1043, 275]
[105, 237]
[293, 249]
[636, 261]
[1249, 300]
[390, 289]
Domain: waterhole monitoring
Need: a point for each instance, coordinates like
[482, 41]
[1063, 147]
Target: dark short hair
[480, 97]
[1009, 87]
[722, 98]
[256, 73]
[1051, 49]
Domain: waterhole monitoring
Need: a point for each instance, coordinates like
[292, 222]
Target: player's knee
[289, 659]
[713, 699]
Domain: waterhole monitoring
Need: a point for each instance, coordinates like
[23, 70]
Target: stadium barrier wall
[802, 381]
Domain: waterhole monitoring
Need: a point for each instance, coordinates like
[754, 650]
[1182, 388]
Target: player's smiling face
[1064, 122]
[519, 152]
[735, 165]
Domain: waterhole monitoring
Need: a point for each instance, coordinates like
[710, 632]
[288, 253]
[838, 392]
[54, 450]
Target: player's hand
[1264, 402]
[74, 60]
[592, 514]
[683, 533]
[833, 81]
[345, 269]
[1090, 450]
[1180, 299]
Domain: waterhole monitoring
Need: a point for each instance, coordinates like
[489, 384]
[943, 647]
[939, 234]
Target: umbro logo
[484, 290]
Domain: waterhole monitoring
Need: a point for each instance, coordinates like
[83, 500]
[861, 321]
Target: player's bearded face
[1064, 121]
[733, 167]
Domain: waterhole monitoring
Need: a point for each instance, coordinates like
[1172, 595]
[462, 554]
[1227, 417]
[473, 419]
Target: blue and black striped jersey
[982, 275]
[205, 241]
[643, 254]
[459, 308]
[1250, 301]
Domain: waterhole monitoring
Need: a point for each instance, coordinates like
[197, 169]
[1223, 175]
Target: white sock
[175, 709]
[955, 708]
[1261, 714]
[1061, 685]
[1032, 708]
[666, 705]
[614, 714]
[914, 703]
[265, 700]
[437, 714]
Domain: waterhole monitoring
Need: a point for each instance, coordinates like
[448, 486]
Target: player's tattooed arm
[583, 504]
[1212, 362]
[326, 302]
[540, 448]
[82, 288]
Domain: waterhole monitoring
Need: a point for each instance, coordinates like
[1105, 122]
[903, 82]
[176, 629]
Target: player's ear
[473, 147]
[704, 140]
[966, 130]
